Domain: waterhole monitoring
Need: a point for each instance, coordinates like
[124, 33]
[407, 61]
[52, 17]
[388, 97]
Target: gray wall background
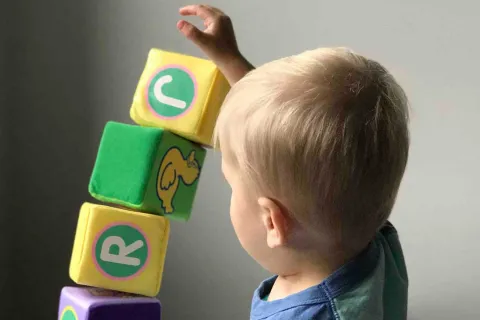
[67, 67]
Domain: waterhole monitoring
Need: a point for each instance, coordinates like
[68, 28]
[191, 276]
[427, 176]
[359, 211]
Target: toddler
[314, 147]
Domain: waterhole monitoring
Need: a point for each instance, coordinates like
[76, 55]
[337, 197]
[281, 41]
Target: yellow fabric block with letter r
[119, 249]
[180, 93]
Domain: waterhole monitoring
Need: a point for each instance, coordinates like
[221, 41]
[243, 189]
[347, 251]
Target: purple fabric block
[83, 303]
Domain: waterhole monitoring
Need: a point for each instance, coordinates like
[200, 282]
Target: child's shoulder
[381, 293]
[372, 286]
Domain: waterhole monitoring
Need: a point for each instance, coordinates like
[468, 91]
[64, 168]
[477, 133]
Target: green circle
[132, 246]
[181, 87]
[69, 315]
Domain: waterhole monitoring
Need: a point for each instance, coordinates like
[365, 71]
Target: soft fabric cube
[180, 93]
[147, 169]
[119, 249]
[78, 303]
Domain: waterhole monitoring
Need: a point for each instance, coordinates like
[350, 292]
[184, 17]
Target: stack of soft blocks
[146, 175]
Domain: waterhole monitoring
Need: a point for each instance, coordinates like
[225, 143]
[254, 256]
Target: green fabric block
[147, 169]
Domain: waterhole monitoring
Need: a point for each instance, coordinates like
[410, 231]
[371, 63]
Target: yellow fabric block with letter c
[180, 93]
[120, 250]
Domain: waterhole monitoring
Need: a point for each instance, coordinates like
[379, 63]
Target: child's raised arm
[217, 40]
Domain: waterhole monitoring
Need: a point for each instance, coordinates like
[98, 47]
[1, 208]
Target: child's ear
[276, 222]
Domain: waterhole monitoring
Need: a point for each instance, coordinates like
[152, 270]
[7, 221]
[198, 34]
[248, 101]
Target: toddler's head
[314, 147]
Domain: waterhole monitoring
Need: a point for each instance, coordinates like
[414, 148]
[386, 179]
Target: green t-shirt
[373, 286]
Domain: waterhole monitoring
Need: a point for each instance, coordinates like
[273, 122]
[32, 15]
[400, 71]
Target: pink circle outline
[195, 90]
[94, 256]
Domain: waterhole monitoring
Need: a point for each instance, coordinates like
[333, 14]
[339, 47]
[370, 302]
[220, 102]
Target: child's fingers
[192, 32]
[202, 11]
[217, 11]
[214, 10]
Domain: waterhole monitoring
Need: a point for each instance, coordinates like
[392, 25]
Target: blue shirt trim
[342, 280]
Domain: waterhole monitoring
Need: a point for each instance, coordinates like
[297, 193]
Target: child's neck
[285, 286]
[308, 273]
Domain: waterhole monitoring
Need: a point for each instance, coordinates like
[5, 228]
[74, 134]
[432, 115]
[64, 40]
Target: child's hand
[217, 40]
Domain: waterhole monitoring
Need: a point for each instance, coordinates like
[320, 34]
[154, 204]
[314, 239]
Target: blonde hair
[323, 132]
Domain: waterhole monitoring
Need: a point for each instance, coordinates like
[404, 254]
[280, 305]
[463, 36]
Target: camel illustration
[173, 168]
